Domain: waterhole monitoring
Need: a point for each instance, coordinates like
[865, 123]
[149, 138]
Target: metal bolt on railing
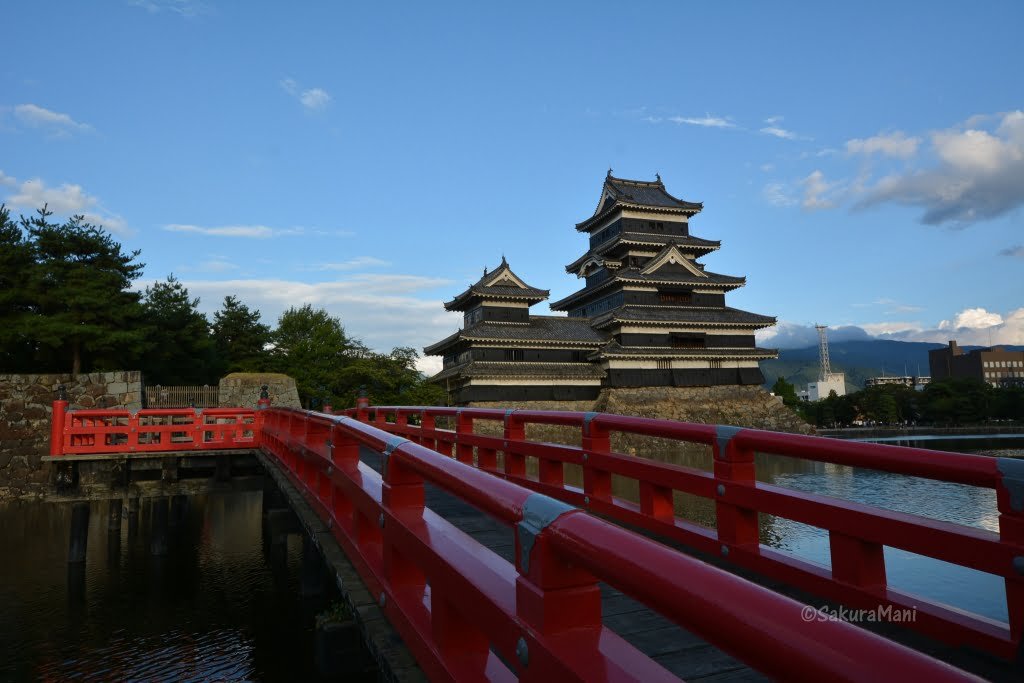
[523, 652]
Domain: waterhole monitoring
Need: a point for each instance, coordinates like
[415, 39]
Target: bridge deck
[676, 649]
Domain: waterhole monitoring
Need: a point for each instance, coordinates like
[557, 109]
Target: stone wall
[242, 390]
[25, 405]
[742, 406]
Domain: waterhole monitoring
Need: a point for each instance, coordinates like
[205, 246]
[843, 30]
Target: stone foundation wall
[742, 406]
[26, 403]
[242, 390]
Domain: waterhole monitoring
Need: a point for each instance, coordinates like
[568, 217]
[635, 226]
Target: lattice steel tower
[825, 371]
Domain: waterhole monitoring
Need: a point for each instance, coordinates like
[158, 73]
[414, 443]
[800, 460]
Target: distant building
[649, 314]
[916, 383]
[815, 391]
[994, 365]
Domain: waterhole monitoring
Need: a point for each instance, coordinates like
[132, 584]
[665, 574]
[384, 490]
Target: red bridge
[381, 479]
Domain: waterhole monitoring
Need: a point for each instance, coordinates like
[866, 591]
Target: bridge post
[553, 596]
[515, 430]
[1010, 502]
[57, 417]
[597, 483]
[401, 496]
[737, 526]
[362, 405]
[464, 427]
[79, 532]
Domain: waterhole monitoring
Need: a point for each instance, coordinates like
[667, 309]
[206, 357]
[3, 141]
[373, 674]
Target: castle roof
[540, 329]
[520, 369]
[501, 284]
[616, 350]
[638, 194]
[677, 315]
[686, 244]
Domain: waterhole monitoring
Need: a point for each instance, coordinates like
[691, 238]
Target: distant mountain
[859, 360]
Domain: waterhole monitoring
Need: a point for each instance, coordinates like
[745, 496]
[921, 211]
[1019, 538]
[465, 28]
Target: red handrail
[456, 604]
[97, 431]
[453, 602]
[857, 533]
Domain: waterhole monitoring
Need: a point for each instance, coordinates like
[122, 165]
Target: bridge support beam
[311, 580]
[158, 527]
[79, 533]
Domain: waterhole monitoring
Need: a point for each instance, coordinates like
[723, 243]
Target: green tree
[786, 391]
[16, 305]
[86, 311]
[180, 349]
[390, 379]
[240, 338]
[311, 346]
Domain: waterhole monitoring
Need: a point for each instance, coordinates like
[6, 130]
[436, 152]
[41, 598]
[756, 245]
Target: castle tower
[664, 314]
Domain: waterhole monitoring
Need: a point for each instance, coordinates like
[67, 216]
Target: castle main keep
[649, 314]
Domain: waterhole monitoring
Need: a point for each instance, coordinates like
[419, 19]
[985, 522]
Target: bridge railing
[857, 533]
[466, 613]
[96, 431]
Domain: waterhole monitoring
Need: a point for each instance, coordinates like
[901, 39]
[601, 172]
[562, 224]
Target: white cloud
[184, 8]
[979, 175]
[353, 264]
[55, 123]
[383, 311]
[213, 265]
[708, 121]
[313, 99]
[969, 327]
[772, 120]
[259, 232]
[66, 200]
[973, 318]
[815, 190]
[780, 133]
[777, 194]
[895, 144]
[767, 168]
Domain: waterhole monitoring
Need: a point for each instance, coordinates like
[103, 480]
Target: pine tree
[86, 311]
[16, 306]
[180, 349]
[240, 338]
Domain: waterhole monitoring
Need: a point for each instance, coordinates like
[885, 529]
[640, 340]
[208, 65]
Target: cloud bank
[68, 199]
[971, 326]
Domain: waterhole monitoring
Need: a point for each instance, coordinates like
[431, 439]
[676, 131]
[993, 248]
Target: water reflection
[206, 604]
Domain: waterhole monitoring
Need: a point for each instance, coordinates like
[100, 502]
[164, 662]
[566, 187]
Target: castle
[649, 314]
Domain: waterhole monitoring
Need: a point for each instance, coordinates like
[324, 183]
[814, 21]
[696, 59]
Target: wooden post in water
[116, 506]
[79, 532]
[158, 528]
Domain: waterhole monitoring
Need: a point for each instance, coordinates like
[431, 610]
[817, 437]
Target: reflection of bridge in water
[496, 556]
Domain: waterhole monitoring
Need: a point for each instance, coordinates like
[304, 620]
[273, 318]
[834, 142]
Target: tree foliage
[179, 348]
[950, 402]
[67, 304]
[82, 307]
[240, 339]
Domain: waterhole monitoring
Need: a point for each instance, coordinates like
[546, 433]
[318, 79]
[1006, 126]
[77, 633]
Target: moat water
[967, 589]
[224, 604]
[220, 605]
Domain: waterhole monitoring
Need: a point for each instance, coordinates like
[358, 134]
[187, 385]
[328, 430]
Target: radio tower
[825, 371]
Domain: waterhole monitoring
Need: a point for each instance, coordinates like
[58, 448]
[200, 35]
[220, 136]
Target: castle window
[513, 354]
[675, 298]
[664, 364]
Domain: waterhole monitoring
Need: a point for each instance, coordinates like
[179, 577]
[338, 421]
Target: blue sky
[862, 164]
